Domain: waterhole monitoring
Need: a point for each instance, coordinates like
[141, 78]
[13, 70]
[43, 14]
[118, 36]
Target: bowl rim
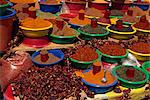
[103, 34]
[95, 85]
[10, 15]
[57, 4]
[36, 29]
[101, 23]
[55, 36]
[122, 56]
[142, 30]
[139, 54]
[121, 33]
[35, 54]
[129, 82]
[4, 5]
[144, 64]
[13, 1]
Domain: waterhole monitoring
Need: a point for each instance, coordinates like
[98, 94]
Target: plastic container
[35, 33]
[112, 59]
[146, 65]
[140, 56]
[53, 8]
[36, 42]
[3, 9]
[63, 39]
[67, 16]
[121, 35]
[97, 88]
[87, 36]
[6, 28]
[83, 64]
[130, 84]
[143, 6]
[75, 7]
[74, 26]
[55, 52]
[99, 6]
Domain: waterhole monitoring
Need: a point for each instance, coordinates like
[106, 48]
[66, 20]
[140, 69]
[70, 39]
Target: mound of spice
[120, 28]
[85, 54]
[106, 18]
[2, 2]
[96, 78]
[23, 1]
[62, 29]
[137, 11]
[50, 2]
[46, 58]
[93, 12]
[140, 47]
[143, 23]
[76, 1]
[93, 28]
[129, 17]
[54, 83]
[116, 13]
[130, 74]
[80, 19]
[35, 23]
[112, 49]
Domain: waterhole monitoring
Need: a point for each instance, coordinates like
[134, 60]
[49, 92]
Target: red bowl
[68, 16]
[36, 42]
[99, 6]
[75, 7]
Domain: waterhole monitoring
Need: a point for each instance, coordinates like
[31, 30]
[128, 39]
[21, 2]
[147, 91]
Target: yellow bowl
[121, 35]
[140, 56]
[91, 16]
[103, 24]
[34, 33]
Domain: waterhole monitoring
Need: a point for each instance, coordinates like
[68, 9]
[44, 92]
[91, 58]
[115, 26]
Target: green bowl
[130, 84]
[146, 65]
[83, 64]
[87, 36]
[63, 39]
[3, 9]
[119, 17]
[112, 59]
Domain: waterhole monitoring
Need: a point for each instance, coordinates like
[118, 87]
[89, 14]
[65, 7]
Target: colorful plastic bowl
[75, 6]
[63, 39]
[98, 88]
[121, 35]
[52, 8]
[83, 64]
[140, 56]
[130, 84]
[143, 6]
[35, 33]
[36, 42]
[3, 9]
[112, 59]
[67, 16]
[146, 65]
[55, 52]
[87, 36]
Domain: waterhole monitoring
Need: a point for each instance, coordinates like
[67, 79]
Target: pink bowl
[36, 42]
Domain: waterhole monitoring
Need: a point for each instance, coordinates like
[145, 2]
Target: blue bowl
[50, 8]
[8, 14]
[97, 88]
[74, 26]
[142, 6]
[55, 52]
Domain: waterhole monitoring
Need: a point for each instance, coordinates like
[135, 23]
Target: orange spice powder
[96, 79]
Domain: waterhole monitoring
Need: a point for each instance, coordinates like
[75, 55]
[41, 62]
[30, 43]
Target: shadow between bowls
[98, 88]
[56, 52]
[129, 84]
